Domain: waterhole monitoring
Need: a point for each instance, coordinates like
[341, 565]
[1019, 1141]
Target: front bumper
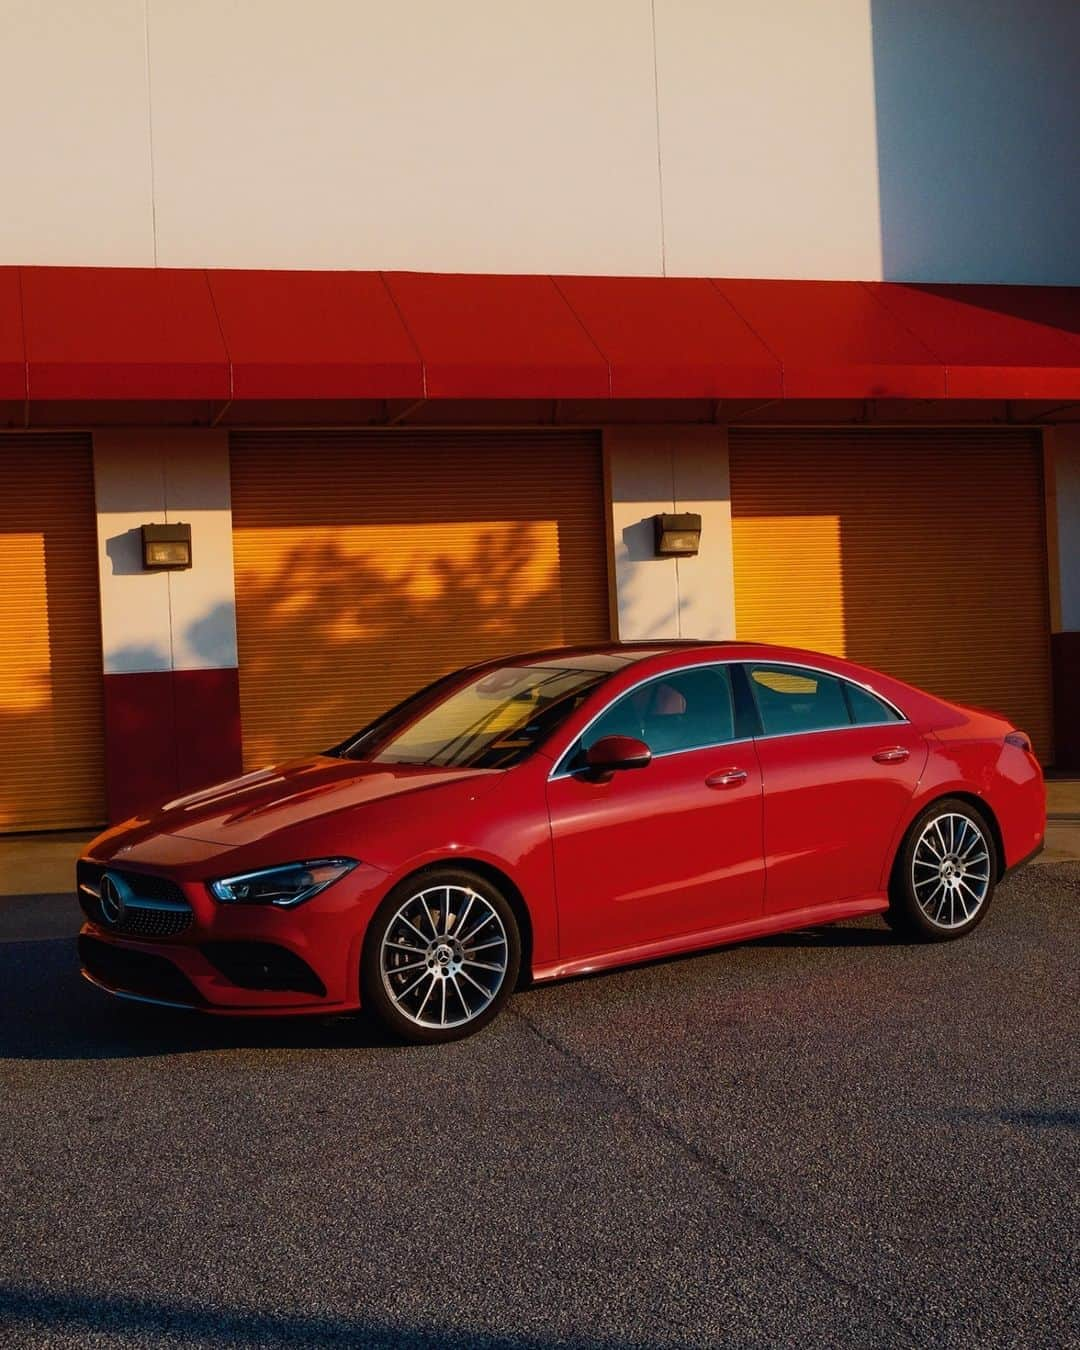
[237, 959]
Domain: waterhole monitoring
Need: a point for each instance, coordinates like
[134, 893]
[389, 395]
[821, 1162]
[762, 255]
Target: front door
[671, 849]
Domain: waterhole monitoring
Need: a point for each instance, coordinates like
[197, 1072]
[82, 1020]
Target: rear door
[839, 767]
[668, 850]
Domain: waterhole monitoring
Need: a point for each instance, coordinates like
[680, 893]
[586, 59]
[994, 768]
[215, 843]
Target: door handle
[725, 778]
[893, 755]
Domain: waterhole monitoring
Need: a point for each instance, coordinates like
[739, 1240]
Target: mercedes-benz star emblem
[114, 899]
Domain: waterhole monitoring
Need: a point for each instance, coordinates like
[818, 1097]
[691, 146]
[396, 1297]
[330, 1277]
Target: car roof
[612, 657]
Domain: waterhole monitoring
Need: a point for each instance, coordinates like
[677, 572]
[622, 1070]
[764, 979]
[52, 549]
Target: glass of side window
[791, 700]
[684, 710]
[866, 708]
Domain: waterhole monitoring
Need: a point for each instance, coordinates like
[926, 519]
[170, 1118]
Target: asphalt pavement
[828, 1138]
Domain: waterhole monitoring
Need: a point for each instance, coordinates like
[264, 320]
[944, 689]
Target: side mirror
[612, 753]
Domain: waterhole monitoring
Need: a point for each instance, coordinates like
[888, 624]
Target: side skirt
[715, 937]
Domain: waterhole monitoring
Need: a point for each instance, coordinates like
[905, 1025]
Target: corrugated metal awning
[92, 335]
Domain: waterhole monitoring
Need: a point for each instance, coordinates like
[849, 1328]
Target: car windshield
[489, 722]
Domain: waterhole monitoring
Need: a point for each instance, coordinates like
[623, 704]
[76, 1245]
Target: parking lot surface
[826, 1138]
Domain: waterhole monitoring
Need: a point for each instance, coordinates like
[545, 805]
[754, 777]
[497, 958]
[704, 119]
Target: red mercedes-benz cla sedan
[556, 813]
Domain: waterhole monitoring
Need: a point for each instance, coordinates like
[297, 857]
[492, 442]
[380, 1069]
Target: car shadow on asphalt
[46, 1315]
[47, 1011]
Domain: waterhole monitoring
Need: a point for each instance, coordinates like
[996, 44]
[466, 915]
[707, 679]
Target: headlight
[286, 885]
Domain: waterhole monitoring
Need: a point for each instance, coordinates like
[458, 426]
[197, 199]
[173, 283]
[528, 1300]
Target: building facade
[418, 313]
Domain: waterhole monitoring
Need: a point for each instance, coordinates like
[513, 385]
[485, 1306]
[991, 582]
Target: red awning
[130, 334]
[12, 344]
[303, 335]
[121, 333]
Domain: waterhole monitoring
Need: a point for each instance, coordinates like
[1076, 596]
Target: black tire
[945, 873]
[444, 969]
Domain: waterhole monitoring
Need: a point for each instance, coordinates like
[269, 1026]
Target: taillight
[1019, 739]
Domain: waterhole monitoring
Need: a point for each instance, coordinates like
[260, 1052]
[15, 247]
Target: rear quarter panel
[1006, 779]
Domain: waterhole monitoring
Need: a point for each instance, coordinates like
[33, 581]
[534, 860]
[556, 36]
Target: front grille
[132, 972]
[158, 907]
[262, 965]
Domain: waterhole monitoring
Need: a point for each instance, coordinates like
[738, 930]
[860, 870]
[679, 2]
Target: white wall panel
[919, 140]
[182, 620]
[480, 136]
[767, 138]
[74, 133]
[658, 469]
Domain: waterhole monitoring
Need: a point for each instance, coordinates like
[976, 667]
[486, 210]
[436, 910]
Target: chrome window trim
[844, 679]
[558, 772]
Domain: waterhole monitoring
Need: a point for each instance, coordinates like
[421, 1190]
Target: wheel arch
[496, 877]
[971, 799]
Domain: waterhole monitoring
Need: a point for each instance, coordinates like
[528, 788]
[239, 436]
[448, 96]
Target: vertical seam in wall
[150, 131]
[659, 163]
[168, 575]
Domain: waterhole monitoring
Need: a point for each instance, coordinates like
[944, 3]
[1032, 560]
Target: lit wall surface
[906, 139]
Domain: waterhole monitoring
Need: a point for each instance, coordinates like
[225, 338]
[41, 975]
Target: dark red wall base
[1065, 663]
[167, 733]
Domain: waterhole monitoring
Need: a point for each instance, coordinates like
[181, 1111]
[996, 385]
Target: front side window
[790, 699]
[684, 710]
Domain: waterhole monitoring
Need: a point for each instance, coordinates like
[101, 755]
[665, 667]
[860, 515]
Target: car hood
[247, 809]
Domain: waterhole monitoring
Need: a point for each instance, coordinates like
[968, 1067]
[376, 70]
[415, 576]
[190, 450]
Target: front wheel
[441, 957]
[945, 873]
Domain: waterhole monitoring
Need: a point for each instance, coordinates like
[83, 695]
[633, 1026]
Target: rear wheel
[441, 957]
[944, 876]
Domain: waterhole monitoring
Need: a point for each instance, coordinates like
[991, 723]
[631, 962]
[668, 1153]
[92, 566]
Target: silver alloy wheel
[444, 956]
[950, 870]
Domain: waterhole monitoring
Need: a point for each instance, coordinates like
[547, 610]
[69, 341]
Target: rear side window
[791, 699]
[867, 708]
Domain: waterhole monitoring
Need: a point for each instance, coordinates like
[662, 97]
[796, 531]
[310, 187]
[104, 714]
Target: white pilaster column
[660, 469]
[172, 709]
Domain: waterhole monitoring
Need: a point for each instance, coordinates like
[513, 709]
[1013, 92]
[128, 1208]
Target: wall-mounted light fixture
[166, 546]
[677, 536]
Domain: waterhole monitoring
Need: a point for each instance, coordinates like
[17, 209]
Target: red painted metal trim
[192, 340]
[208, 741]
[167, 733]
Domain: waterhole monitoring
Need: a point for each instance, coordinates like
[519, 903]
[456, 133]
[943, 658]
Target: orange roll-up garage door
[51, 737]
[919, 552]
[368, 563]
